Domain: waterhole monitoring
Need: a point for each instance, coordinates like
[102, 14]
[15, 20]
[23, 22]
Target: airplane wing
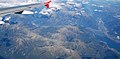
[18, 9]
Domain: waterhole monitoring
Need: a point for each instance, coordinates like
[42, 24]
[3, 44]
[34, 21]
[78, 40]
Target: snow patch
[45, 14]
[96, 10]
[2, 22]
[115, 32]
[70, 2]
[62, 4]
[101, 6]
[94, 5]
[1, 18]
[48, 12]
[118, 37]
[54, 5]
[7, 18]
[78, 5]
[78, 13]
[85, 2]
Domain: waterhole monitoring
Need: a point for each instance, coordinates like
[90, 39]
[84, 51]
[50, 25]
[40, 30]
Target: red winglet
[47, 4]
